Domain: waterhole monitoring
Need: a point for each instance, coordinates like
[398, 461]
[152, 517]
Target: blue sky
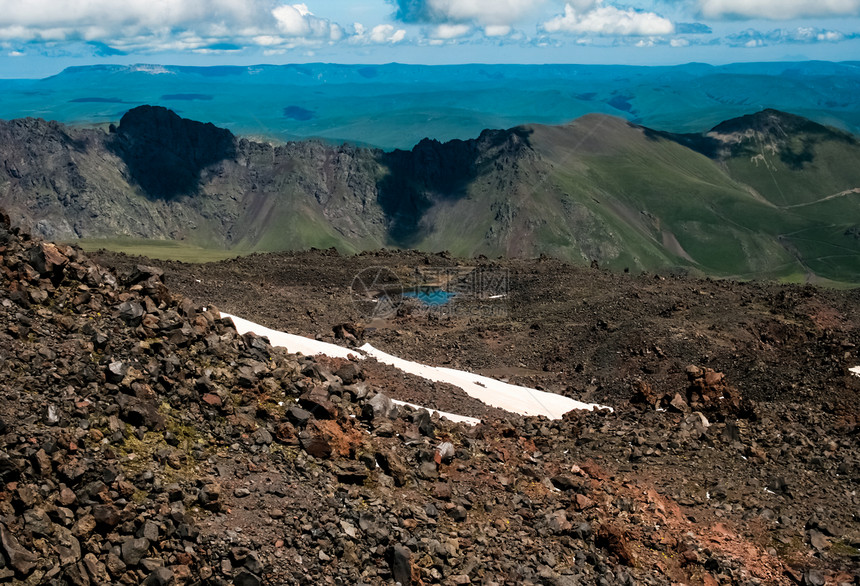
[41, 37]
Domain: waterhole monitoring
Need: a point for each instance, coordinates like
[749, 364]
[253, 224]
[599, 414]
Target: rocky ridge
[599, 188]
[145, 442]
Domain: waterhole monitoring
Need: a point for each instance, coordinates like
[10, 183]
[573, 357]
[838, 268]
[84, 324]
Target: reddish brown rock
[211, 400]
[612, 539]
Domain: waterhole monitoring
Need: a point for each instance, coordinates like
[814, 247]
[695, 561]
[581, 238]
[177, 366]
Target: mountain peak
[769, 122]
[165, 152]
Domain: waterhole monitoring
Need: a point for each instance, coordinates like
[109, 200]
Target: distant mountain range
[768, 195]
[395, 106]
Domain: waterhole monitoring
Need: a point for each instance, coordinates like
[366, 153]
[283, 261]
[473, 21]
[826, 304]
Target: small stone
[446, 451]
[349, 373]
[150, 531]
[459, 513]
[814, 578]
[159, 577]
[583, 502]
[209, 496]
[818, 540]
[317, 402]
[43, 463]
[298, 415]
[38, 522]
[131, 312]
[67, 497]
[401, 564]
[107, 515]
[262, 437]
[114, 565]
[84, 526]
[381, 406]
[212, 400]
[557, 522]
[22, 560]
[565, 483]
[679, 404]
[133, 550]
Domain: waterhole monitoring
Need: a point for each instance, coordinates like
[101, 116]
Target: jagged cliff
[727, 202]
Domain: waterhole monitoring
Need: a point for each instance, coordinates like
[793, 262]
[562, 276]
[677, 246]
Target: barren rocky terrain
[144, 441]
[770, 458]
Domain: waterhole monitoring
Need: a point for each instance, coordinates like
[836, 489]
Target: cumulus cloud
[594, 17]
[297, 21]
[497, 30]
[450, 31]
[778, 9]
[386, 33]
[380, 35]
[156, 25]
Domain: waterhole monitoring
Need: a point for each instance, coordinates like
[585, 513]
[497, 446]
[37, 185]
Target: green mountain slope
[603, 188]
[764, 196]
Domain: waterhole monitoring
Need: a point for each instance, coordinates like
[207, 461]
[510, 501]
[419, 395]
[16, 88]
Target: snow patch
[856, 370]
[294, 344]
[513, 398]
[516, 399]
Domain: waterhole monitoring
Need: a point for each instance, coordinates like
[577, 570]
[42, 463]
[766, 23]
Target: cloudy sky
[40, 37]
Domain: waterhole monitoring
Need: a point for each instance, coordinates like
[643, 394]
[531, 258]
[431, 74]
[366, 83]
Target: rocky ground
[143, 441]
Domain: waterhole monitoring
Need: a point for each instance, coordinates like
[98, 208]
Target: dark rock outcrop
[165, 154]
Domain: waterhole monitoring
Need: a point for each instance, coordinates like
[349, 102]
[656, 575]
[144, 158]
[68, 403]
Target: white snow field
[294, 344]
[513, 398]
[494, 393]
[856, 370]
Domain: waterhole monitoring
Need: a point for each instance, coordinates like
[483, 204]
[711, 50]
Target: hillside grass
[159, 249]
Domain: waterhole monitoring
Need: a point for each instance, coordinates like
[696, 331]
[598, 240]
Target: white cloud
[801, 35]
[140, 14]
[594, 17]
[386, 33]
[381, 34]
[268, 40]
[484, 12]
[297, 21]
[450, 31]
[16, 54]
[679, 43]
[778, 9]
[157, 25]
[830, 36]
[497, 30]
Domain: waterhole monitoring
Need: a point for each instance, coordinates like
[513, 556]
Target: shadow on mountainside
[165, 154]
[434, 172]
